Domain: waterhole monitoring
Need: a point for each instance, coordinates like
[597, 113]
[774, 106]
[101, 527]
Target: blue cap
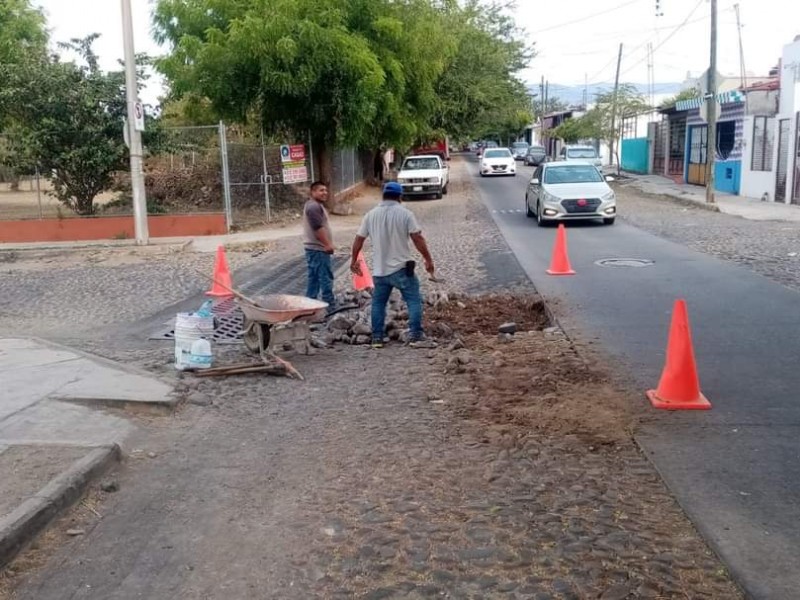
[393, 189]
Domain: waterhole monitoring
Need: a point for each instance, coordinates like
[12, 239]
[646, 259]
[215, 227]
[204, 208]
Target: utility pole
[711, 108]
[541, 96]
[546, 95]
[134, 135]
[614, 111]
[741, 57]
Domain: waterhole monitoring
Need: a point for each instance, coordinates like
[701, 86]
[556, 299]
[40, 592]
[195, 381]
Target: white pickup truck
[424, 175]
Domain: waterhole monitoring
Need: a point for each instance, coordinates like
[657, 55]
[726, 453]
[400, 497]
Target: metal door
[783, 160]
[796, 179]
[698, 149]
[659, 150]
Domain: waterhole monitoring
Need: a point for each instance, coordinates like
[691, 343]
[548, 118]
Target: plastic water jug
[190, 328]
[200, 356]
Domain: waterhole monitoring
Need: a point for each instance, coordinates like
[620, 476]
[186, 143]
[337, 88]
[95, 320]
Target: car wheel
[528, 212]
[438, 196]
[609, 221]
[539, 219]
[444, 189]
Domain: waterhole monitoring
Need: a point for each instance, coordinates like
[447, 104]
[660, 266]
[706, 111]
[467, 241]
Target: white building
[771, 158]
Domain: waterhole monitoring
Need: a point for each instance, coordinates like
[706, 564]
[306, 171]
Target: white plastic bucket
[189, 328]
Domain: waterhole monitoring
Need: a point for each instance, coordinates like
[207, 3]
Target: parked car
[519, 150]
[564, 191]
[498, 161]
[535, 156]
[424, 175]
[585, 154]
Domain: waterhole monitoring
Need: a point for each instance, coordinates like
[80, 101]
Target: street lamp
[135, 126]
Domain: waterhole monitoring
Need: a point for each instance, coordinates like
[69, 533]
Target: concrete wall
[635, 155]
[790, 105]
[108, 228]
[757, 184]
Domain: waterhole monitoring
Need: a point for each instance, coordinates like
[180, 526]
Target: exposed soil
[484, 314]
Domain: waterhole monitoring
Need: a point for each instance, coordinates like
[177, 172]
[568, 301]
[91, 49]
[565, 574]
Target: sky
[575, 39]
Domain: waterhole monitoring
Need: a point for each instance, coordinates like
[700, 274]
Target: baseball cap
[393, 188]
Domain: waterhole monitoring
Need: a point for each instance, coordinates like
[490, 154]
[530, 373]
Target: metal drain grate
[287, 278]
[625, 262]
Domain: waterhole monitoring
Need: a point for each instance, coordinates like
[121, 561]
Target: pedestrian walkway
[753, 209]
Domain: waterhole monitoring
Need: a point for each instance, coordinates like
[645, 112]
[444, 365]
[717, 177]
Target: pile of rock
[354, 326]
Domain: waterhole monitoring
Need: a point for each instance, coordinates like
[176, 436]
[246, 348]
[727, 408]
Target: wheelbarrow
[274, 320]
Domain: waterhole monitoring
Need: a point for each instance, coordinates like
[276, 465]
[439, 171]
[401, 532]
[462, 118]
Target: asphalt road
[734, 469]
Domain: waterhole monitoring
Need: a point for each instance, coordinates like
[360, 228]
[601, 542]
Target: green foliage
[596, 123]
[370, 73]
[687, 94]
[67, 120]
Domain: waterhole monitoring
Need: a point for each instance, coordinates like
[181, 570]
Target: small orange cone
[679, 387]
[559, 264]
[363, 281]
[222, 275]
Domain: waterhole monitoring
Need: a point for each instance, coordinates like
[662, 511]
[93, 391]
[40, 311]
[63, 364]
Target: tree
[596, 123]
[479, 92]
[68, 121]
[295, 66]
[687, 94]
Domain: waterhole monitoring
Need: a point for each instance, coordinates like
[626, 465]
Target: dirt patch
[24, 470]
[484, 314]
[538, 381]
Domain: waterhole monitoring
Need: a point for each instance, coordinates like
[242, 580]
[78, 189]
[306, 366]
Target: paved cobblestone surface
[771, 248]
[389, 475]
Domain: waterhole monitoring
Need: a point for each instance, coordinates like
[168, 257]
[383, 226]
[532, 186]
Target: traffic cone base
[679, 386]
[222, 275]
[559, 264]
[699, 403]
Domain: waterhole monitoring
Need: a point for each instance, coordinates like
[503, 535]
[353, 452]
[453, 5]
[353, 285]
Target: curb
[19, 527]
[673, 197]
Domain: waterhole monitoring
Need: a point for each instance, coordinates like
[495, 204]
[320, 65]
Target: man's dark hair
[317, 185]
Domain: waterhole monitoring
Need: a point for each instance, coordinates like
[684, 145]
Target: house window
[726, 138]
[763, 140]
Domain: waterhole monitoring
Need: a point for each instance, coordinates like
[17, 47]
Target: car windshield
[497, 153]
[491, 144]
[421, 164]
[519, 145]
[535, 150]
[581, 153]
[572, 174]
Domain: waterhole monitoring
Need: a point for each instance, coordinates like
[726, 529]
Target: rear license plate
[416, 188]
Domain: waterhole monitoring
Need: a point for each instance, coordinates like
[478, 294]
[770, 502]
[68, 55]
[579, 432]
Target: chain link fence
[214, 168]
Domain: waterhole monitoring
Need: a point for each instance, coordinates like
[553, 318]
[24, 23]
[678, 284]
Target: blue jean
[409, 288]
[320, 276]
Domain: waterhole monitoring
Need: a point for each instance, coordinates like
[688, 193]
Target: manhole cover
[625, 262]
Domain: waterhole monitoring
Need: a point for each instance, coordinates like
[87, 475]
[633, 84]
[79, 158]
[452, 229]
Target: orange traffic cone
[363, 281]
[222, 275]
[679, 387]
[559, 264]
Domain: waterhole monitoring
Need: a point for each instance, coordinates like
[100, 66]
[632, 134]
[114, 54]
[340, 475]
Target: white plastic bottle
[200, 356]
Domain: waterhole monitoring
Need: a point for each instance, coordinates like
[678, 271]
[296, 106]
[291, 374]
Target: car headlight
[436, 180]
[608, 197]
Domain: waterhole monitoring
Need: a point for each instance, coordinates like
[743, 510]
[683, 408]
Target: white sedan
[498, 161]
[561, 191]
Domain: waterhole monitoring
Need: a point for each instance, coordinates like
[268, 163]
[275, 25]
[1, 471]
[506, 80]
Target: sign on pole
[294, 163]
[138, 116]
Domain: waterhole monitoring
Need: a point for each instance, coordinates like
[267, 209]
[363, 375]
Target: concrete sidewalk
[52, 441]
[747, 208]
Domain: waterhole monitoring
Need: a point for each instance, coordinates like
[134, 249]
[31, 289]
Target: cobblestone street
[504, 469]
[771, 248]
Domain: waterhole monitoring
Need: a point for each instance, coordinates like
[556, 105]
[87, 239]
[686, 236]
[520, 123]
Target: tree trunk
[376, 167]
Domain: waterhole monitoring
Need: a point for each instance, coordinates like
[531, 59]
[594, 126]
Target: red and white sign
[297, 153]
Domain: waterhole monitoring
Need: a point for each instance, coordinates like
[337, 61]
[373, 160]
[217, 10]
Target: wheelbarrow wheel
[255, 335]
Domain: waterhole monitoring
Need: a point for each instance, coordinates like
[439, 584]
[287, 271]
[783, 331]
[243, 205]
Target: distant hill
[573, 94]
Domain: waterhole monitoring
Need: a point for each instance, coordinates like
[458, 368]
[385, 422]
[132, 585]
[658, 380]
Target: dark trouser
[320, 276]
[409, 288]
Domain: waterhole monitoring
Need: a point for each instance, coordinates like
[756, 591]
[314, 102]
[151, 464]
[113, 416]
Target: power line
[587, 17]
